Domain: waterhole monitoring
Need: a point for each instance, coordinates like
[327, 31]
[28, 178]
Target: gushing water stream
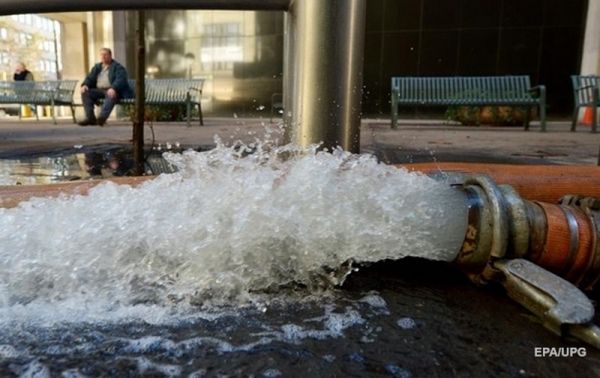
[231, 228]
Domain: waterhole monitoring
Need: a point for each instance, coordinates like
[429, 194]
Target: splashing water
[231, 222]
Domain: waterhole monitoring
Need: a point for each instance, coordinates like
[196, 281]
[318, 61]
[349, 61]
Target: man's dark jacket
[117, 75]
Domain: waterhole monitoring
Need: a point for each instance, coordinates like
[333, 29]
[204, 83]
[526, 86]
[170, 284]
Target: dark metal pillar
[140, 100]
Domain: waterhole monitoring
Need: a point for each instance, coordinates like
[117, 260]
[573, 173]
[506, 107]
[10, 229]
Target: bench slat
[463, 90]
[583, 87]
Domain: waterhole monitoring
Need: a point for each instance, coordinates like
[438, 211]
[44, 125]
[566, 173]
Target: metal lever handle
[589, 333]
[561, 306]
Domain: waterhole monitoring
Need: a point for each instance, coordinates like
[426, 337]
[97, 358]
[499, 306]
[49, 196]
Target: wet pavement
[414, 140]
[412, 318]
[432, 141]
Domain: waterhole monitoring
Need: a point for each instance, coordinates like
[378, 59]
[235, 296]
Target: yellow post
[26, 111]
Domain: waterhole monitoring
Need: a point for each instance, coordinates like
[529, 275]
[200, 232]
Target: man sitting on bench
[107, 80]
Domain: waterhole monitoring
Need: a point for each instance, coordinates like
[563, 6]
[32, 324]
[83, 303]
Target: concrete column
[101, 33]
[590, 61]
[75, 56]
[107, 29]
[91, 36]
[74, 51]
[323, 66]
[119, 36]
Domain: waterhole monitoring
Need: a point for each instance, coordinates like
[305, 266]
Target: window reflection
[239, 54]
[32, 39]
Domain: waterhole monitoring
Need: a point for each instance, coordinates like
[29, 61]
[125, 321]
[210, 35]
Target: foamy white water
[225, 226]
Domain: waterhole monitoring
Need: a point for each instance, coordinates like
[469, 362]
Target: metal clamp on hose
[487, 231]
[590, 206]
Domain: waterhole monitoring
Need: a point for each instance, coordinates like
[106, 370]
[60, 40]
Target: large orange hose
[547, 183]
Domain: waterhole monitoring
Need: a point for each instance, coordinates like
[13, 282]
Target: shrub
[162, 113]
[487, 115]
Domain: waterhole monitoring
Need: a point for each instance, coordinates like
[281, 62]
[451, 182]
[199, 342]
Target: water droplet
[406, 323]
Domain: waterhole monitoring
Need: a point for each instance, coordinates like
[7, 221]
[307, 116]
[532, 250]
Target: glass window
[233, 29]
[233, 41]
[31, 37]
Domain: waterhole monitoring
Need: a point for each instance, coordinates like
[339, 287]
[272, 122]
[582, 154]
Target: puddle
[80, 163]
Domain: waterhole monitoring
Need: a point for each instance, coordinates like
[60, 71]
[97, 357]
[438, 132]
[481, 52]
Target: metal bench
[186, 92]
[39, 93]
[468, 91]
[586, 93]
[63, 96]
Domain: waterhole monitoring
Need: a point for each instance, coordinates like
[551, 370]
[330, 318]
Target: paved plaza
[413, 141]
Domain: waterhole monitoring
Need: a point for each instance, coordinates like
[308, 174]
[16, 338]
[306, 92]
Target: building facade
[33, 40]
[240, 53]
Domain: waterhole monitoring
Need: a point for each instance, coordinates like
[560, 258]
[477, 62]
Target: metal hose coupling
[526, 245]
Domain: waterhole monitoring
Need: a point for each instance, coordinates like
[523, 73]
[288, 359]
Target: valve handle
[561, 306]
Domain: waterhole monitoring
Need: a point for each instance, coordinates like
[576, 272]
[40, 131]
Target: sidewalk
[433, 141]
[413, 141]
